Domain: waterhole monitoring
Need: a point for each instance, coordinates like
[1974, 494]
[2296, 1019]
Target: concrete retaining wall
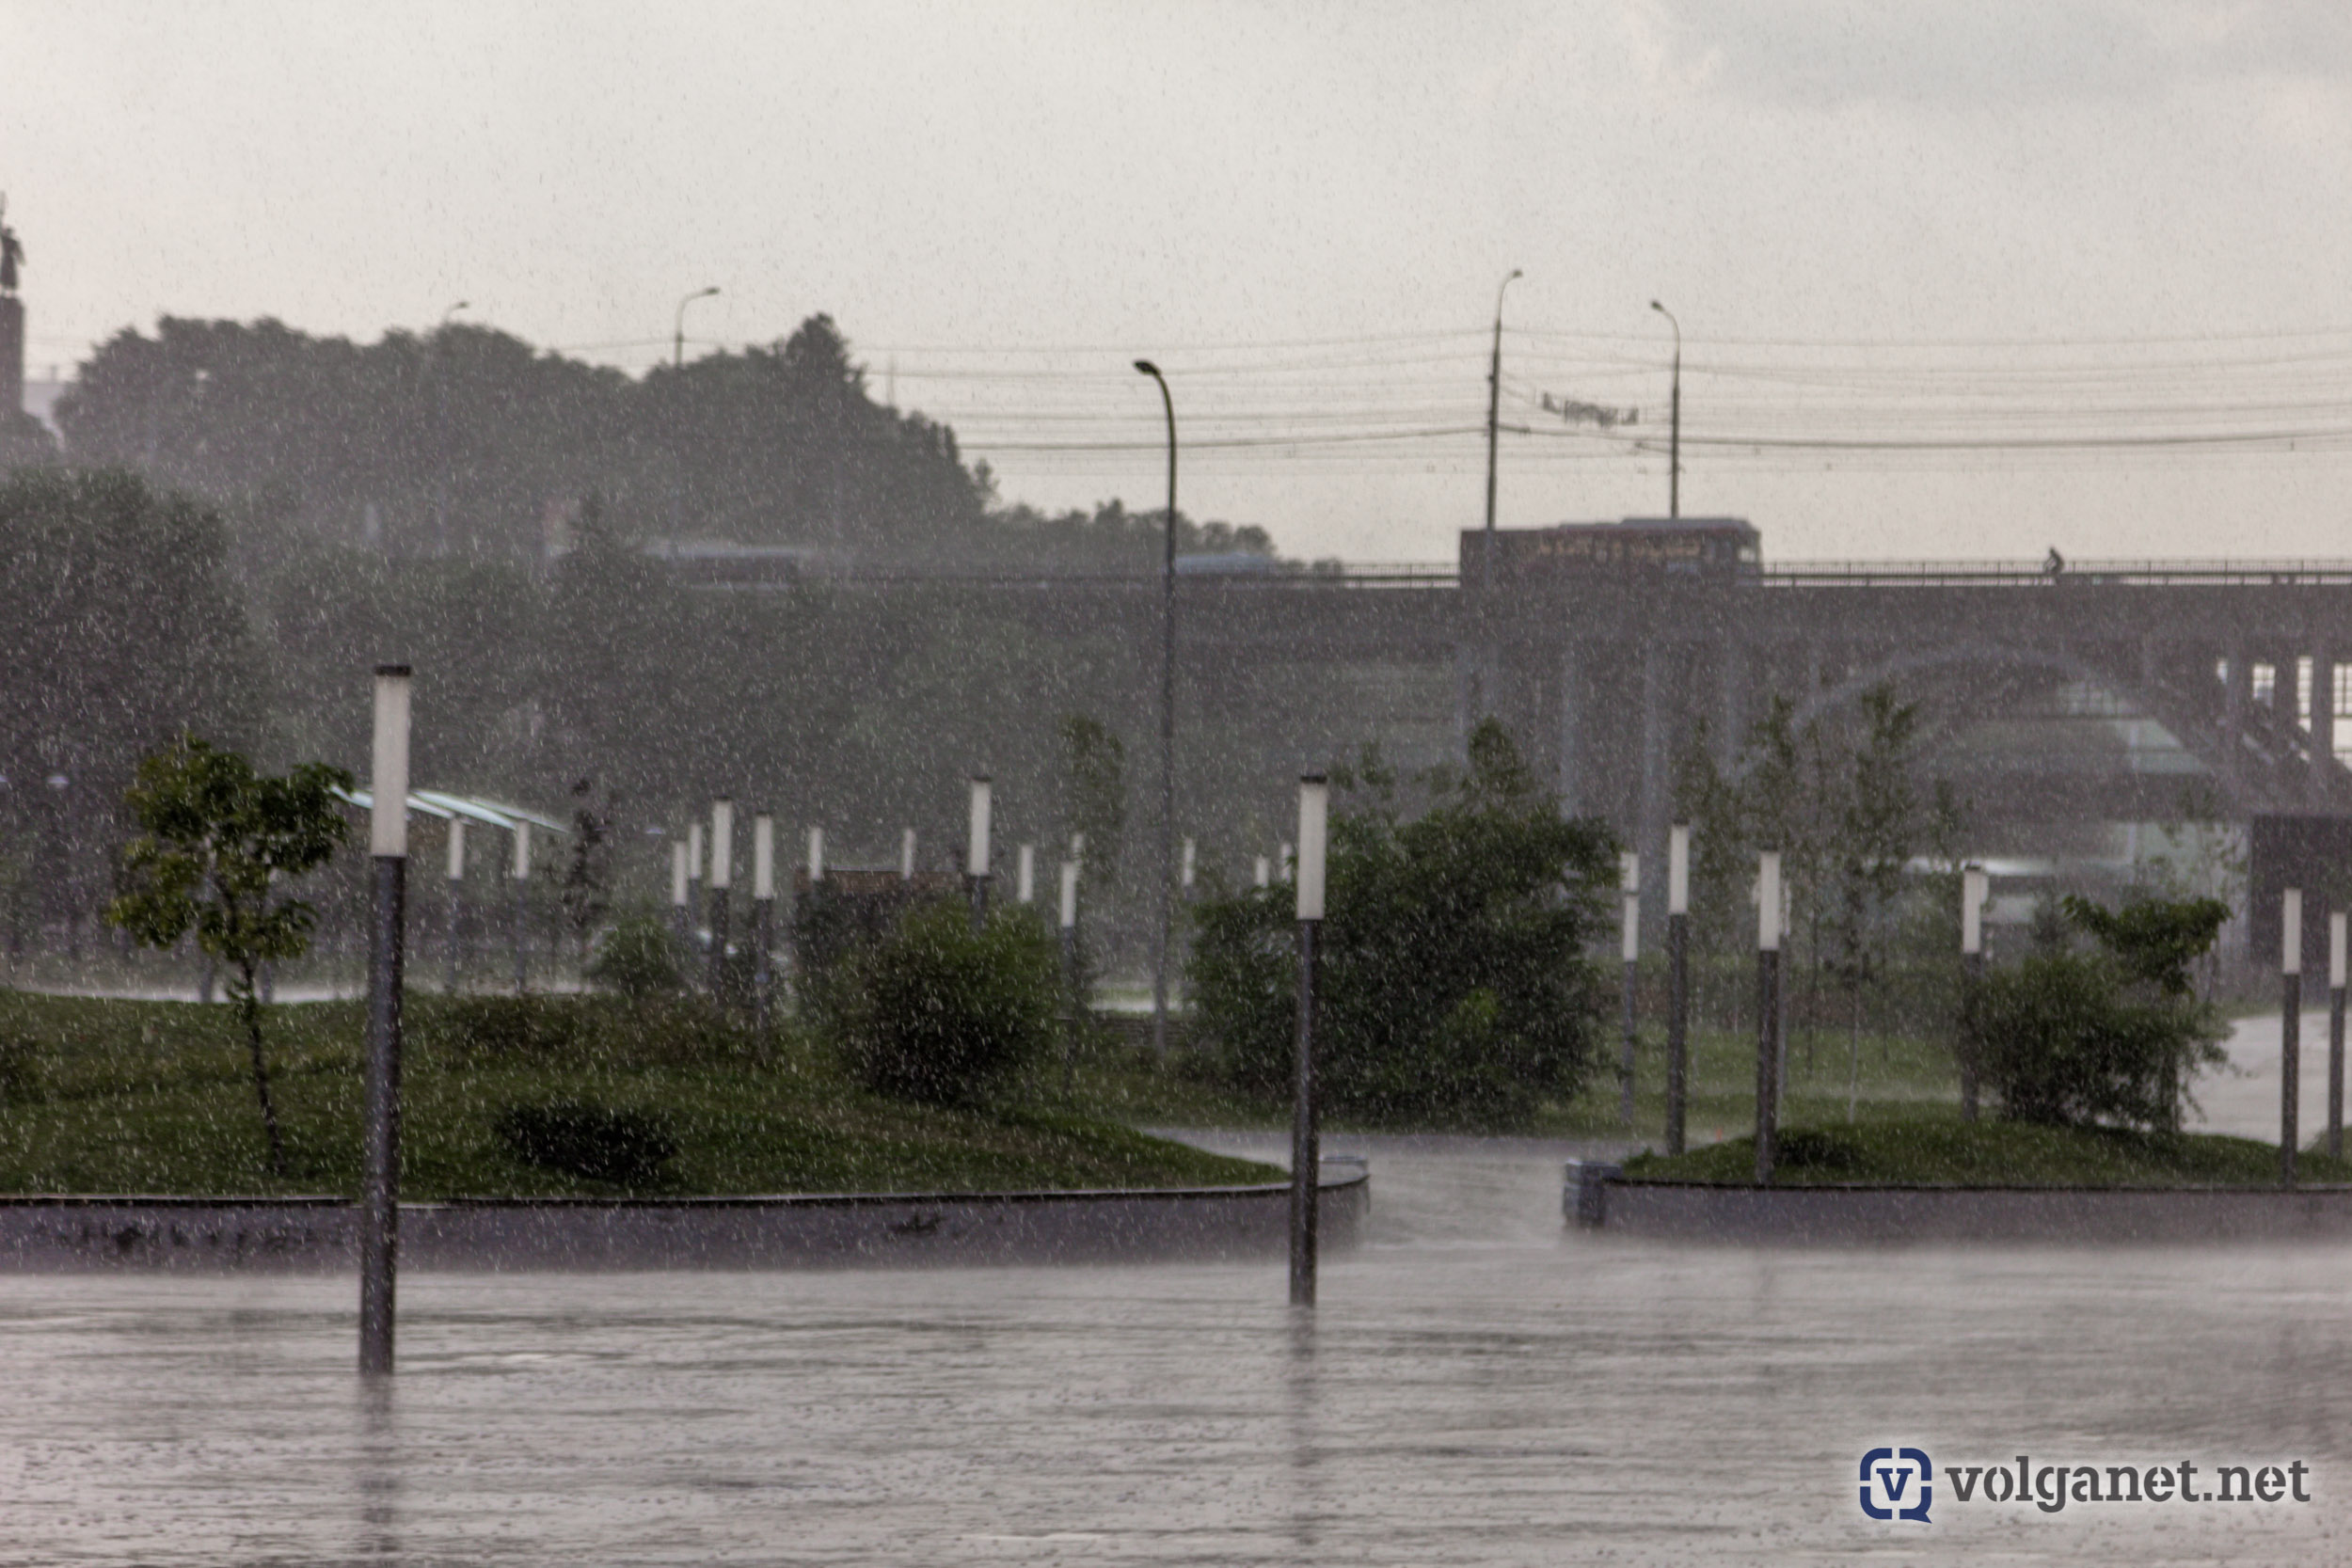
[885, 1231]
[1597, 1198]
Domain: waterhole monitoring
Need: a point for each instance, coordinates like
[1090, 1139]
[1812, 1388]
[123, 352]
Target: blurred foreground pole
[379, 1179]
[682, 895]
[451, 939]
[722, 887]
[1678, 982]
[1768, 914]
[520, 872]
[2335, 1033]
[1630, 884]
[763, 918]
[975, 852]
[2290, 1027]
[1072, 1005]
[1972, 895]
[1314, 810]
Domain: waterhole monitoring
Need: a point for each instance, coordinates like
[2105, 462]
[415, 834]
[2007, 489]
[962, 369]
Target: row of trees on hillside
[468, 441]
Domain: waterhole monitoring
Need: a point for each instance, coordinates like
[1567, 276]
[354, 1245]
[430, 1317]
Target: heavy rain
[1208, 784]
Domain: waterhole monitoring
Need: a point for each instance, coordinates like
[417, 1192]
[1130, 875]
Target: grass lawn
[1899, 1077]
[1936, 1149]
[157, 1097]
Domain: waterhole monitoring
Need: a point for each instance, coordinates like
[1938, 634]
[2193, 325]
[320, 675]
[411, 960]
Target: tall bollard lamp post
[1314, 812]
[380, 1181]
[1768, 917]
[1072, 1005]
[1629, 887]
[906, 855]
[518, 872]
[763, 919]
[2335, 1033]
[1166, 912]
[681, 895]
[815, 857]
[1678, 982]
[975, 852]
[1973, 887]
[1025, 875]
[721, 892]
[452, 950]
[2290, 1027]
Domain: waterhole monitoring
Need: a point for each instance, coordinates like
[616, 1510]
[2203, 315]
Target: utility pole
[1168, 731]
[1674, 440]
[1494, 412]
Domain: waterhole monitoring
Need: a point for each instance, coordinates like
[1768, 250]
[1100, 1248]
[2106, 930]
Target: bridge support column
[1732, 666]
[1571, 756]
[2237, 687]
[2323, 723]
[1657, 784]
[1464, 698]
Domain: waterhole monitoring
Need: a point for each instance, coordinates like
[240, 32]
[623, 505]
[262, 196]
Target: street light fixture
[1673, 441]
[1168, 727]
[678, 333]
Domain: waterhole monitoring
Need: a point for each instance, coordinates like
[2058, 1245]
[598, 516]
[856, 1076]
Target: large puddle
[1479, 1386]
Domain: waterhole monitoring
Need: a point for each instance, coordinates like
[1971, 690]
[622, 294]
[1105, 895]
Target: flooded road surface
[1481, 1385]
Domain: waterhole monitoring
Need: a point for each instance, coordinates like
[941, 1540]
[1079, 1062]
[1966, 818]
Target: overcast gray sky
[1958, 279]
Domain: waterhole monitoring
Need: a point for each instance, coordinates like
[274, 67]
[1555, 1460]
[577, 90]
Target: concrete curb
[832, 1230]
[1597, 1198]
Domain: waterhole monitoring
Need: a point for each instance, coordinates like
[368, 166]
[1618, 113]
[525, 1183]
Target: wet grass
[1120, 1078]
[157, 1097]
[1938, 1149]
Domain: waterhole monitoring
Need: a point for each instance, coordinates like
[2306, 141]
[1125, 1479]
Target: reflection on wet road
[1480, 1385]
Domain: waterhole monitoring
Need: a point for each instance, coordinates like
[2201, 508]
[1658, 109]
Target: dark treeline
[467, 441]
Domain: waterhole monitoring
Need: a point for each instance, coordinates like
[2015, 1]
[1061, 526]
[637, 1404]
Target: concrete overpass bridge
[1609, 648]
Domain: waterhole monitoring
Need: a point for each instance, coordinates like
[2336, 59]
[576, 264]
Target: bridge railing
[2015, 573]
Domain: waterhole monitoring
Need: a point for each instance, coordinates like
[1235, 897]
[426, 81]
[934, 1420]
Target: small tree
[942, 1014]
[2109, 1034]
[217, 840]
[1455, 985]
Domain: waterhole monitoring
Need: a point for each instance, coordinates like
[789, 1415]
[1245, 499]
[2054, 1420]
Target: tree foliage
[218, 844]
[2110, 1033]
[1452, 983]
[938, 1013]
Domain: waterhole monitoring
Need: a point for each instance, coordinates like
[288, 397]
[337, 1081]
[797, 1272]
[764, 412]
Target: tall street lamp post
[1678, 981]
[1314, 812]
[1629, 886]
[2335, 1033]
[379, 1190]
[678, 333]
[1168, 727]
[450, 941]
[722, 892]
[1767, 919]
[1674, 440]
[2290, 1027]
[1973, 889]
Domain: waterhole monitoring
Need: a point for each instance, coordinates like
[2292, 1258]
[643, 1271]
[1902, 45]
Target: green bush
[639, 960]
[20, 1074]
[1454, 986]
[582, 1030]
[938, 1013]
[627, 1148]
[2069, 1039]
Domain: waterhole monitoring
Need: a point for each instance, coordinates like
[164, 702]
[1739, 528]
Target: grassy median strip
[1939, 1151]
[157, 1097]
